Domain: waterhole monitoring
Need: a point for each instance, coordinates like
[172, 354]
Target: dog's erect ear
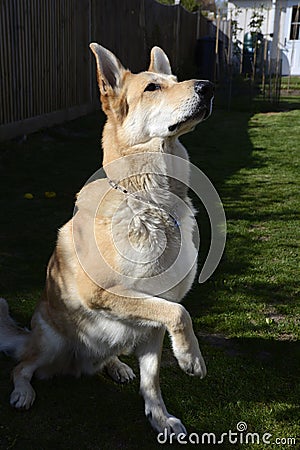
[109, 69]
[159, 62]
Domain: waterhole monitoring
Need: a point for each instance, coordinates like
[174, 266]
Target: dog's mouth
[193, 119]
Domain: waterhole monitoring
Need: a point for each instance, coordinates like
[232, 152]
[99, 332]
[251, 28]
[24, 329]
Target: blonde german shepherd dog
[82, 324]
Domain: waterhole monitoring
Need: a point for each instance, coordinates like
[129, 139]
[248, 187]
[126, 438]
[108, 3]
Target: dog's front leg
[159, 311]
[149, 354]
[185, 345]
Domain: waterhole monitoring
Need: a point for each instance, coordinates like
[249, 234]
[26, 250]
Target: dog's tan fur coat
[91, 311]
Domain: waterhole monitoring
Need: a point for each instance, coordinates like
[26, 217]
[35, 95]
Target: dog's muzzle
[201, 107]
[204, 89]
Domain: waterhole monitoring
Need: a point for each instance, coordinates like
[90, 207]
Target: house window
[295, 23]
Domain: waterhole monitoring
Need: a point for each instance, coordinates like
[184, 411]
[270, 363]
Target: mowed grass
[290, 83]
[246, 316]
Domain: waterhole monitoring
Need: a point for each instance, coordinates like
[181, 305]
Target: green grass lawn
[246, 316]
[290, 83]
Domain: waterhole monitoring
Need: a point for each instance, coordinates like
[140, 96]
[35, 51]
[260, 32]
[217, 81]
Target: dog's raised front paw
[193, 365]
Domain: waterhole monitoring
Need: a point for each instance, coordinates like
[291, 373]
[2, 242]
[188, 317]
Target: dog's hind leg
[41, 355]
[23, 394]
[149, 354]
[37, 358]
[13, 339]
[118, 370]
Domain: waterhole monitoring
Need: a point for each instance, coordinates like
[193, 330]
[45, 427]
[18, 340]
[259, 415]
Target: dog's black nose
[204, 88]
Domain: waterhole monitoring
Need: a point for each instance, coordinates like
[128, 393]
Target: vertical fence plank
[9, 75]
[33, 14]
[3, 66]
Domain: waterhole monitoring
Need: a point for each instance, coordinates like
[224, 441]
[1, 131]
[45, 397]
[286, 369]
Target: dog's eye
[152, 87]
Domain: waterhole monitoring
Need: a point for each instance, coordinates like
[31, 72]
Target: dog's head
[150, 104]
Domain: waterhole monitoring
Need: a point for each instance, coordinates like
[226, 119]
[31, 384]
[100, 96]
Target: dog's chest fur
[151, 238]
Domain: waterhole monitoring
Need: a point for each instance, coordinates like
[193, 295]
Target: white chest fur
[156, 253]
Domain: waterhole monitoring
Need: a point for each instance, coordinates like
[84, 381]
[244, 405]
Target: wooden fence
[47, 72]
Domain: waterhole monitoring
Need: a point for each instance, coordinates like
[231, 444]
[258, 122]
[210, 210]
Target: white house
[281, 27]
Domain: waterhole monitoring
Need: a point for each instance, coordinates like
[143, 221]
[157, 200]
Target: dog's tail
[12, 337]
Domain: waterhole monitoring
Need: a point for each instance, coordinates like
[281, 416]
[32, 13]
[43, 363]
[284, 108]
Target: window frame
[295, 24]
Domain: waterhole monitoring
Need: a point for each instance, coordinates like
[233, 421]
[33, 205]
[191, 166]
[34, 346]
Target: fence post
[177, 31]
[217, 45]
[265, 55]
[198, 22]
[142, 20]
[242, 50]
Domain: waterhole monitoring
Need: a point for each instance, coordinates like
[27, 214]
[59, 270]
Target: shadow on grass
[59, 159]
